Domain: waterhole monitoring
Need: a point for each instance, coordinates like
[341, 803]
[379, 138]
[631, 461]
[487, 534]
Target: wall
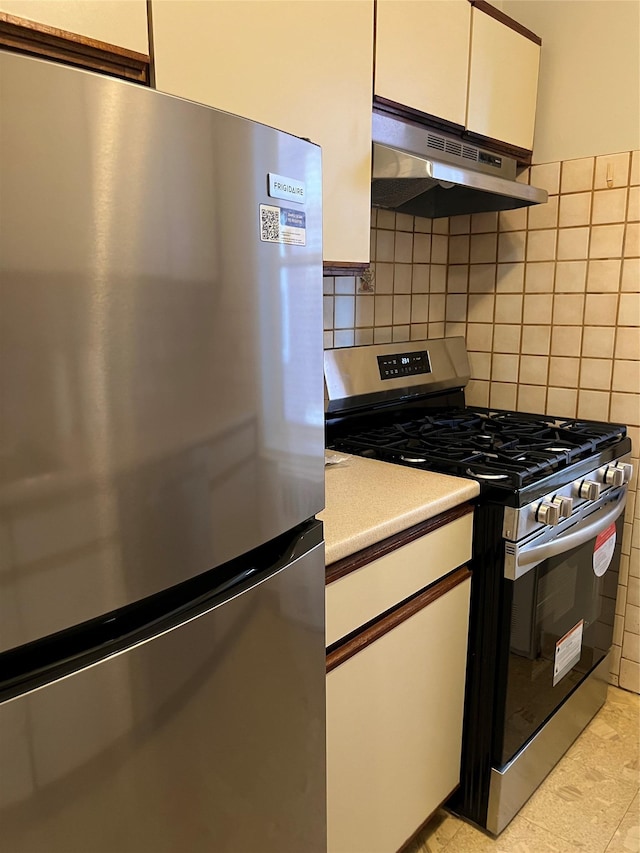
[548, 299]
[589, 90]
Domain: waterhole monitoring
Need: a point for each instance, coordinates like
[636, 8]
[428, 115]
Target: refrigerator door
[160, 350]
[208, 737]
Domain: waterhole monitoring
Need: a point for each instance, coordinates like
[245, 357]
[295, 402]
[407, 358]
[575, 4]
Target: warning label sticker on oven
[603, 550]
[282, 225]
[568, 651]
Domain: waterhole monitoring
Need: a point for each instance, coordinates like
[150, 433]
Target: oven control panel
[404, 364]
[565, 502]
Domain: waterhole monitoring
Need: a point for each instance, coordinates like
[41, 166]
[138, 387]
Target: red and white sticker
[603, 550]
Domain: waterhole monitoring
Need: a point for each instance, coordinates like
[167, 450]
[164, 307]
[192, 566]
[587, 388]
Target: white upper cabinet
[303, 66]
[422, 55]
[118, 22]
[503, 82]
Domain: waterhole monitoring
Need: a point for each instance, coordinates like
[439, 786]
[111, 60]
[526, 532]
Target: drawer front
[356, 598]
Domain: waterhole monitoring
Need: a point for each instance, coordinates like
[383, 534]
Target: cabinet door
[394, 728]
[422, 55]
[304, 66]
[503, 82]
[119, 22]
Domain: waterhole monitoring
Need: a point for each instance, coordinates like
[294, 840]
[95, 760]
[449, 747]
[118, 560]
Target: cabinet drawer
[356, 598]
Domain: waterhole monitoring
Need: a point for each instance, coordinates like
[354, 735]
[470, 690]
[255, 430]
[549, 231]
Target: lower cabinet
[395, 694]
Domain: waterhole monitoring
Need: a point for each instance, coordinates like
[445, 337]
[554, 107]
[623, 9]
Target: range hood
[424, 173]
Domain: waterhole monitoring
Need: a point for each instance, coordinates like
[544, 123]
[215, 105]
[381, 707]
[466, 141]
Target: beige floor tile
[521, 836]
[627, 835]
[581, 803]
[437, 834]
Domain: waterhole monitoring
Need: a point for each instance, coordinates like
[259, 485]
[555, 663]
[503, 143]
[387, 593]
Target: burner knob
[589, 489]
[565, 505]
[619, 474]
[548, 513]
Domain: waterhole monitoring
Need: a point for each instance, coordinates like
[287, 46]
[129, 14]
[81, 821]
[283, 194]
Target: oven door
[562, 607]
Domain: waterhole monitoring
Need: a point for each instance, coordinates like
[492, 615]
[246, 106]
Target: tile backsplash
[548, 299]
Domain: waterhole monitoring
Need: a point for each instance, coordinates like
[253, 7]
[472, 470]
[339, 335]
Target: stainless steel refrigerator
[161, 461]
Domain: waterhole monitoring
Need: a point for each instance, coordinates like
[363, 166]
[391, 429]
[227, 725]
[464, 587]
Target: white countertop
[368, 500]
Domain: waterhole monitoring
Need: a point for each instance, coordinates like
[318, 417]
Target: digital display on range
[404, 364]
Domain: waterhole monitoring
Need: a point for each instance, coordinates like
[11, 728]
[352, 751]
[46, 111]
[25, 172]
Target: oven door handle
[528, 558]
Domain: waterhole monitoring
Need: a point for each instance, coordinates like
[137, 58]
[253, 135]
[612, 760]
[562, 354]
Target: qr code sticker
[269, 224]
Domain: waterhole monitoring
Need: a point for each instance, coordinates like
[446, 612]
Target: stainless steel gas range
[546, 553]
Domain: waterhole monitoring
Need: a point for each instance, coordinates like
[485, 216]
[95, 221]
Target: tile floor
[590, 803]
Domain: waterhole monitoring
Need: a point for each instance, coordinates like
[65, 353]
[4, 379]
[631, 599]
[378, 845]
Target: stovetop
[502, 448]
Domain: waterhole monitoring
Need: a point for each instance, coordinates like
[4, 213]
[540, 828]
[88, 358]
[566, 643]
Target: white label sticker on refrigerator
[282, 225]
[287, 188]
[603, 550]
[568, 651]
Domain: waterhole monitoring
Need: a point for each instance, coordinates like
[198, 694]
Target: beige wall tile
[612, 170]
[458, 279]
[506, 338]
[386, 219]
[571, 276]
[626, 376]
[629, 309]
[538, 308]
[604, 276]
[573, 243]
[568, 309]
[421, 248]
[437, 306]
[402, 278]
[606, 241]
[600, 309]
[372, 244]
[436, 330]
[477, 393]
[510, 278]
[534, 369]
[562, 402]
[401, 310]
[382, 335]
[419, 309]
[459, 249]
[503, 395]
[541, 245]
[482, 278]
[403, 248]
[343, 338]
[631, 275]
[632, 240]
[385, 243]
[609, 206]
[327, 311]
[563, 372]
[455, 330]
[363, 337]
[460, 224]
[484, 222]
[627, 343]
[480, 336]
[419, 331]
[565, 340]
[544, 215]
[404, 222]
[546, 176]
[532, 398]
[421, 225]
[504, 368]
[328, 285]
[419, 278]
[630, 675]
[539, 277]
[513, 220]
[633, 210]
[441, 225]
[634, 179]
[481, 307]
[597, 341]
[327, 340]
[508, 308]
[383, 310]
[577, 175]
[456, 310]
[575, 209]
[511, 246]
[483, 248]
[364, 310]
[596, 373]
[480, 365]
[437, 278]
[536, 340]
[383, 277]
[593, 405]
[625, 408]
[439, 245]
[400, 333]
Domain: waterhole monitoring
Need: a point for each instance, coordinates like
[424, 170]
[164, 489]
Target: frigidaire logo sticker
[286, 188]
